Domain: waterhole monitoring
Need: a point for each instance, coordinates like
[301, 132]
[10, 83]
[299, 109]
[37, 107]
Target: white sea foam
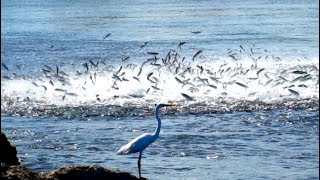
[207, 81]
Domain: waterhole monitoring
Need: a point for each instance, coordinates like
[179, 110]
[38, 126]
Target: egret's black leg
[139, 165]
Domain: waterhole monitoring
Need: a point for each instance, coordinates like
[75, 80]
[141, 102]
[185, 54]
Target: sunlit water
[258, 144]
[247, 104]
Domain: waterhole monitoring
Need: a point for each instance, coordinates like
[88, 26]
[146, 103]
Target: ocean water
[80, 79]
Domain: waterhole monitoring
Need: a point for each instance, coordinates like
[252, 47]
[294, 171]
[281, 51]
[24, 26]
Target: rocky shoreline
[11, 168]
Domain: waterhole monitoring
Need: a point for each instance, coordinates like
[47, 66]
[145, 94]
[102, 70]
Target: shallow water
[280, 143]
[247, 104]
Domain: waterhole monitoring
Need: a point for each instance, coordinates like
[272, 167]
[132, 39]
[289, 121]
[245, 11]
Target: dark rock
[84, 172]
[8, 152]
[87, 172]
[17, 172]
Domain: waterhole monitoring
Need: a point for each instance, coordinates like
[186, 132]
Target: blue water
[247, 104]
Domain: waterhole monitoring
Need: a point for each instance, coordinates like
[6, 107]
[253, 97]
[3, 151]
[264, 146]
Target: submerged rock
[8, 152]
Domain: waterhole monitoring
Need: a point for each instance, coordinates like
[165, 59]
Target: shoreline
[11, 169]
[65, 173]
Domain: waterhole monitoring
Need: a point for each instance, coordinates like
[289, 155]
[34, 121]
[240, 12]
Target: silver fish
[187, 97]
[294, 92]
[196, 54]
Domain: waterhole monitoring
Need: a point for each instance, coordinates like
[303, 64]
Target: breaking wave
[197, 84]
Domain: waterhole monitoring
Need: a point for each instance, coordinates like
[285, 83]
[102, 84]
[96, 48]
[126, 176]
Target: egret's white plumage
[136, 145]
[143, 141]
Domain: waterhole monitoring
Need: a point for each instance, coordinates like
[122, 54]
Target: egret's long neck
[157, 132]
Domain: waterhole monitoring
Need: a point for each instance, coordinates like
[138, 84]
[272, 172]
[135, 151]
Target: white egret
[143, 141]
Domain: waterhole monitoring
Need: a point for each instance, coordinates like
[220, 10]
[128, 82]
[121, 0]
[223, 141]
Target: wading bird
[143, 141]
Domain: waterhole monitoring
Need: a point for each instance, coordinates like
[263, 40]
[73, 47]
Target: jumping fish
[213, 86]
[284, 79]
[60, 90]
[6, 77]
[177, 69]
[153, 53]
[302, 85]
[294, 92]
[156, 64]
[136, 78]
[242, 85]
[251, 50]
[139, 71]
[144, 44]
[260, 70]
[116, 77]
[154, 87]
[118, 71]
[242, 48]
[18, 66]
[201, 69]
[297, 78]
[57, 70]
[215, 79]
[51, 82]
[232, 56]
[180, 44]
[299, 72]
[86, 66]
[48, 67]
[306, 77]
[196, 32]
[92, 79]
[106, 36]
[71, 94]
[45, 88]
[35, 84]
[124, 79]
[5, 67]
[187, 97]
[196, 54]
[125, 58]
[93, 64]
[268, 82]
[179, 81]
[46, 71]
[148, 76]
